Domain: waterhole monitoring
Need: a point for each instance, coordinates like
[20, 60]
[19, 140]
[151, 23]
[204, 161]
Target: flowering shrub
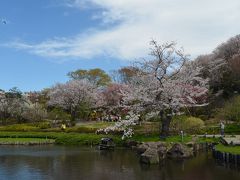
[124, 126]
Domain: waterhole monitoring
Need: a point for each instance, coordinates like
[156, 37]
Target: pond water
[58, 162]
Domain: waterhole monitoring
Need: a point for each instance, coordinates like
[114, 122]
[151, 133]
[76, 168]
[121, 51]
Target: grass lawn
[20, 127]
[89, 127]
[63, 138]
[154, 138]
[228, 149]
[25, 141]
[96, 124]
[84, 133]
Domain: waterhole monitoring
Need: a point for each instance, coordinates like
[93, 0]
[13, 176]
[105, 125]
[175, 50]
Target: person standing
[222, 126]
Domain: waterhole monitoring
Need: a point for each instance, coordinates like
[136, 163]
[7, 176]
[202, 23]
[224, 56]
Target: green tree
[124, 74]
[96, 76]
[231, 110]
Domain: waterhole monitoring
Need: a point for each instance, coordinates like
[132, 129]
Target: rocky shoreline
[155, 152]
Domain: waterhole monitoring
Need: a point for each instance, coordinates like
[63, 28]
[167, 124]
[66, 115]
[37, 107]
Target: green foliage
[43, 125]
[228, 149]
[211, 130]
[81, 129]
[84, 111]
[13, 93]
[232, 129]
[229, 129]
[147, 128]
[97, 76]
[58, 114]
[186, 124]
[208, 140]
[231, 110]
[89, 127]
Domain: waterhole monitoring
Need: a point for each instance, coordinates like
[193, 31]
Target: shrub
[231, 110]
[81, 129]
[43, 125]
[186, 124]
[58, 114]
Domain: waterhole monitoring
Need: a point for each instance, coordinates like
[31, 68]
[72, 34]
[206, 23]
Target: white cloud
[198, 26]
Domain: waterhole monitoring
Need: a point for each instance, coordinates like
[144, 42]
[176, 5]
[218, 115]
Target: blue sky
[34, 21]
[45, 39]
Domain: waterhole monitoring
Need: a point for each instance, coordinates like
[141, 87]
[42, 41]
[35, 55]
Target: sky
[43, 40]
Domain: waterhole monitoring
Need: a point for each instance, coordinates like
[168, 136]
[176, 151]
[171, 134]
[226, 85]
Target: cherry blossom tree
[13, 104]
[167, 83]
[113, 95]
[124, 126]
[71, 95]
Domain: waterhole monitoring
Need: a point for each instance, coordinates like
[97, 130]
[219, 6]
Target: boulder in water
[150, 156]
[179, 151]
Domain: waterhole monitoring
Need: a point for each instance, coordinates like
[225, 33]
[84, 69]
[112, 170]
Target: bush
[43, 125]
[231, 110]
[186, 124]
[58, 114]
[147, 128]
[81, 129]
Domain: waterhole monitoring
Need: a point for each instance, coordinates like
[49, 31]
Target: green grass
[215, 129]
[179, 139]
[25, 141]
[89, 127]
[97, 124]
[155, 137]
[63, 138]
[20, 127]
[44, 126]
[84, 134]
[228, 149]
[208, 140]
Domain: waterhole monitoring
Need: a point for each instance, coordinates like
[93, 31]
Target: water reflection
[56, 162]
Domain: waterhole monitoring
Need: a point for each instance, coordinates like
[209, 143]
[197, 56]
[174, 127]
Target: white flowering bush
[124, 126]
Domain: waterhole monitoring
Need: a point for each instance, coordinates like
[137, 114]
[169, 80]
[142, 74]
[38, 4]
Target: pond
[60, 163]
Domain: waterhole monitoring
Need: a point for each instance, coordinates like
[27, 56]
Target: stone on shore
[179, 151]
[150, 156]
[152, 152]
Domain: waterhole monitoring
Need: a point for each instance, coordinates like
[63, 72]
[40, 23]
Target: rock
[179, 151]
[196, 147]
[153, 145]
[150, 156]
[142, 148]
[190, 144]
[131, 144]
[152, 152]
[162, 151]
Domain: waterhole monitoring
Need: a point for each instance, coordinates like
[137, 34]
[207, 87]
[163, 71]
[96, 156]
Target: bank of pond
[77, 139]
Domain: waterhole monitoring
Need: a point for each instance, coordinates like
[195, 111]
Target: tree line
[168, 83]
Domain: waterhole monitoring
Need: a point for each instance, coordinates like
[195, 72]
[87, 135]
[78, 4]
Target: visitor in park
[63, 127]
[222, 126]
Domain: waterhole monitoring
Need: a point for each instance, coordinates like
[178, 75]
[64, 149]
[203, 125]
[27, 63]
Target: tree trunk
[166, 118]
[73, 115]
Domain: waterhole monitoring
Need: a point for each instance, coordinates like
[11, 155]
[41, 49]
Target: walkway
[226, 140]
